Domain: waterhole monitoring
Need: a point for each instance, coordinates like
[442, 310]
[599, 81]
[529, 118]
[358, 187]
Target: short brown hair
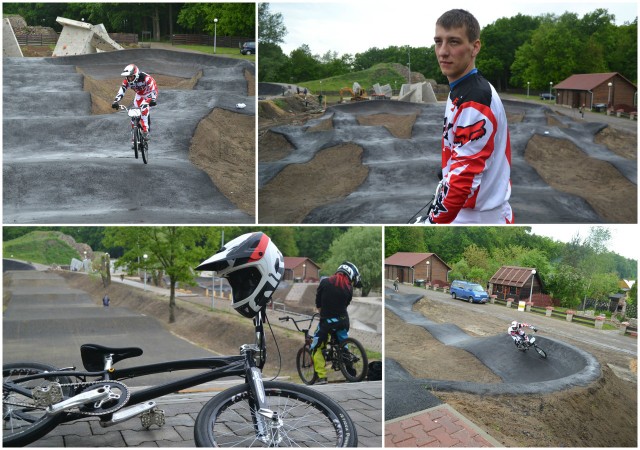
[458, 18]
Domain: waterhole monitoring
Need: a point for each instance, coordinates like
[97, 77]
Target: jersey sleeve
[468, 143]
[123, 88]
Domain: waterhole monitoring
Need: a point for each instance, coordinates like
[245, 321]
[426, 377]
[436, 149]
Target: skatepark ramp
[80, 38]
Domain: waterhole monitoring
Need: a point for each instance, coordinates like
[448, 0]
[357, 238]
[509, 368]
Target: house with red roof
[301, 268]
[410, 267]
[595, 90]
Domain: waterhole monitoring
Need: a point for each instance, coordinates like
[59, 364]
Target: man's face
[456, 54]
[131, 78]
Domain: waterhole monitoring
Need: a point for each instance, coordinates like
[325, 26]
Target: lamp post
[409, 54]
[145, 270]
[428, 271]
[304, 272]
[550, 84]
[610, 84]
[215, 33]
[528, 83]
[533, 272]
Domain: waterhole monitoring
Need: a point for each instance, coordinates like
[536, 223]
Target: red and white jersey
[476, 156]
[145, 86]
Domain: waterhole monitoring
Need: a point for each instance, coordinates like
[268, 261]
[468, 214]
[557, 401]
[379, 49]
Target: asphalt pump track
[566, 366]
[403, 173]
[46, 321]
[61, 164]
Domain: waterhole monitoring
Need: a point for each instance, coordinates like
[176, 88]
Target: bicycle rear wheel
[304, 364]
[307, 418]
[354, 364]
[23, 421]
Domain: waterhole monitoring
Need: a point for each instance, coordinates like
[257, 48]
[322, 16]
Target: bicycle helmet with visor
[131, 72]
[253, 265]
[351, 271]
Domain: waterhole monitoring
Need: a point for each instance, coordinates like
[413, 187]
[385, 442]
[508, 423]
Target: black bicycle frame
[219, 367]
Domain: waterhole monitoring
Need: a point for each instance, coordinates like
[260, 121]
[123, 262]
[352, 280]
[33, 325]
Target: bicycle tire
[360, 364]
[144, 149]
[22, 425]
[541, 352]
[136, 140]
[304, 364]
[226, 419]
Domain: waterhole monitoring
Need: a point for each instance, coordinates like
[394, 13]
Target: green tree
[303, 65]
[234, 19]
[568, 285]
[271, 29]
[172, 249]
[363, 247]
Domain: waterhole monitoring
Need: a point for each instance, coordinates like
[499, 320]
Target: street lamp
[550, 84]
[428, 271]
[304, 272]
[528, 83]
[145, 271]
[609, 102]
[409, 54]
[533, 272]
[215, 33]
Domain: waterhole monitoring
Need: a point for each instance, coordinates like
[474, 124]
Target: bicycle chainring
[117, 399]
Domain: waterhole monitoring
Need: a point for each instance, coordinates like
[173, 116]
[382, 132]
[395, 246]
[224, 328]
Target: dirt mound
[299, 188]
[601, 415]
[620, 142]
[565, 167]
[273, 147]
[399, 126]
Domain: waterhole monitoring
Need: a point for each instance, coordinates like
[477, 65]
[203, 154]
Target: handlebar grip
[284, 319]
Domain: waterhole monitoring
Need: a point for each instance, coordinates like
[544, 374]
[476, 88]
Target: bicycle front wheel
[306, 418]
[541, 352]
[144, 149]
[24, 422]
[136, 140]
[304, 364]
[354, 364]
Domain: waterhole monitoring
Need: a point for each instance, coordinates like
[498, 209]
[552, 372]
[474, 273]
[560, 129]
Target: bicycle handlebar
[295, 322]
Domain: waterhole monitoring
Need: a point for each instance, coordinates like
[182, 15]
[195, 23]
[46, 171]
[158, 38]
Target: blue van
[472, 292]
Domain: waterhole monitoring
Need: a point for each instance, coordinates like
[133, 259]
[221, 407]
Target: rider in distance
[146, 91]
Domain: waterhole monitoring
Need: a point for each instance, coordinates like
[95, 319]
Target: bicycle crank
[118, 396]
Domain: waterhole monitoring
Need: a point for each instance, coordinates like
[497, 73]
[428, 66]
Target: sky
[624, 238]
[354, 26]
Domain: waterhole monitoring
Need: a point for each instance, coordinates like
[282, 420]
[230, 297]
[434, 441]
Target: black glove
[534, 328]
[115, 105]
[152, 103]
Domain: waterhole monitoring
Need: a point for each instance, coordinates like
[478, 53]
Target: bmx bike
[529, 342]
[348, 357]
[36, 398]
[139, 144]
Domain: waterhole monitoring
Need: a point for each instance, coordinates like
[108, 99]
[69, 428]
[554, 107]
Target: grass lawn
[220, 51]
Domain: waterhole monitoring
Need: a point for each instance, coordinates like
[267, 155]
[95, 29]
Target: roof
[291, 262]
[409, 259]
[587, 81]
[512, 276]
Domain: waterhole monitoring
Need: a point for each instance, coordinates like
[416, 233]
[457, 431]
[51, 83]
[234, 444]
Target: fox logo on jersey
[473, 132]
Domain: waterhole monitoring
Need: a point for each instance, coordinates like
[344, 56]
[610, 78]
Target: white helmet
[514, 324]
[351, 271]
[131, 71]
[253, 265]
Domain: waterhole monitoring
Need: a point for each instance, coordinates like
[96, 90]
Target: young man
[476, 153]
[146, 93]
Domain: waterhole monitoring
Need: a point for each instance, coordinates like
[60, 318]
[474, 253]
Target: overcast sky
[624, 238]
[354, 26]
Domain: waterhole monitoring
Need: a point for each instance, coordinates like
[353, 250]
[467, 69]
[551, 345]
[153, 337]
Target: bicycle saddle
[93, 355]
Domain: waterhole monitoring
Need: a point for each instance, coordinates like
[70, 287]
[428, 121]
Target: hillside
[45, 247]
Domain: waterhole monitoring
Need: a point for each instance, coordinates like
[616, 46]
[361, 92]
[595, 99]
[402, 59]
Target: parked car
[472, 292]
[547, 96]
[248, 48]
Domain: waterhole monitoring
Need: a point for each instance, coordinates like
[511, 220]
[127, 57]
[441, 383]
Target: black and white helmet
[253, 265]
[351, 271]
[131, 72]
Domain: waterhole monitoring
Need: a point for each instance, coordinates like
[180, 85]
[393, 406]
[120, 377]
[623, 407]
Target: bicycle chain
[119, 404]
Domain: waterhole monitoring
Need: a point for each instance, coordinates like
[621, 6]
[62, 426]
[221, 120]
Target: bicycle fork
[267, 423]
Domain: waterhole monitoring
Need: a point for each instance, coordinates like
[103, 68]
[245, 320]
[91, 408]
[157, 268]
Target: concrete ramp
[80, 38]
[10, 46]
[417, 93]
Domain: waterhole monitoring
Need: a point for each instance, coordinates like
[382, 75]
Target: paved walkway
[440, 426]
[363, 402]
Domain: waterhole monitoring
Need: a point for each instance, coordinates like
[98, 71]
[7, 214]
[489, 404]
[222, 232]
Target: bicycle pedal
[153, 417]
[47, 395]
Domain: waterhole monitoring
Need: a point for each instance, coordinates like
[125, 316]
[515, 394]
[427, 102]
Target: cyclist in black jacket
[332, 299]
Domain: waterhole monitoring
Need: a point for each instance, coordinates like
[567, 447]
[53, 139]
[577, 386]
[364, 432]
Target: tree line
[570, 272]
[160, 19]
[515, 51]
[175, 251]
